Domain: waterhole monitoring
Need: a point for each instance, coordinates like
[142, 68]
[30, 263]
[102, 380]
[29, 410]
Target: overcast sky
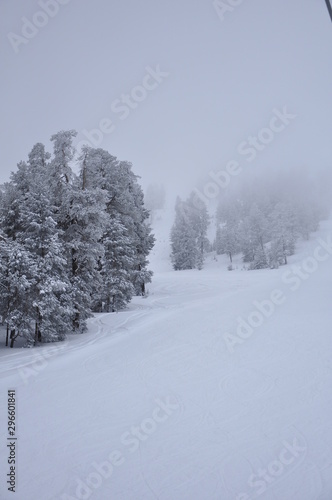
[219, 81]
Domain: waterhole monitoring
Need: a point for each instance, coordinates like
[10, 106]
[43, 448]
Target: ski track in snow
[234, 411]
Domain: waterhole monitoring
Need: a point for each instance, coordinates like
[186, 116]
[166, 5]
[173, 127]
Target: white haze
[225, 79]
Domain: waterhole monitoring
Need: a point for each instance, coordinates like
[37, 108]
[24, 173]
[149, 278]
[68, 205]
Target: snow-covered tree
[260, 259]
[17, 270]
[142, 238]
[199, 220]
[116, 267]
[125, 204]
[51, 289]
[228, 239]
[183, 239]
[267, 214]
[284, 232]
[188, 235]
[63, 155]
[82, 235]
[70, 244]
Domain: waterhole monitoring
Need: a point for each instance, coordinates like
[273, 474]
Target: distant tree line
[70, 244]
[262, 220]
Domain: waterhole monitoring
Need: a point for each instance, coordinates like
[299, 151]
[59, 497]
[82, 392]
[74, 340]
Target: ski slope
[166, 401]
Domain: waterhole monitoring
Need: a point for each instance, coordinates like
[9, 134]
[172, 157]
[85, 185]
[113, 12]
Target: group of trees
[263, 221]
[189, 241]
[261, 218]
[70, 244]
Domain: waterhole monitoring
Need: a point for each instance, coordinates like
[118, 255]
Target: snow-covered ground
[183, 396]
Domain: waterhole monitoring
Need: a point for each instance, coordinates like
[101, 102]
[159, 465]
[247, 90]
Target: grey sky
[225, 78]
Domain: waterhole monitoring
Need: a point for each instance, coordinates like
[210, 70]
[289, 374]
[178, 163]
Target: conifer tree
[188, 235]
[116, 268]
[69, 244]
[183, 239]
[284, 231]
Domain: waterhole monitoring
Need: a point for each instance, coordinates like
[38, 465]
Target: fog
[177, 88]
[165, 292]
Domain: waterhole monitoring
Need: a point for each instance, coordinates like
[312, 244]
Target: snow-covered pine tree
[36, 231]
[4, 282]
[38, 165]
[188, 235]
[51, 289]
[61, 173]
[17, 270]
[125, 204]
[116, 267]
[135, 217]
[254, 233]
[228, 230]
[86, 222]
[80, 215]
[230, 240]
[284, 231]
[13, 194]
[183, 239]
[143, 240]
[199, 220]
[260, 259]
[247, 242]
[70, 243]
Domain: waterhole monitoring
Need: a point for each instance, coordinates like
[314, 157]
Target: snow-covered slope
[182, 397]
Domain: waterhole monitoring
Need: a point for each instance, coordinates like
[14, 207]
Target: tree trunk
[284, 251]
[76, 321]
[7, 335]
[12, 338]
[74, 267]
[74, 263]
[230, 257]
[38, 337]
[36, 333]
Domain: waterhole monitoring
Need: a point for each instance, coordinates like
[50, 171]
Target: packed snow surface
[192, 393]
